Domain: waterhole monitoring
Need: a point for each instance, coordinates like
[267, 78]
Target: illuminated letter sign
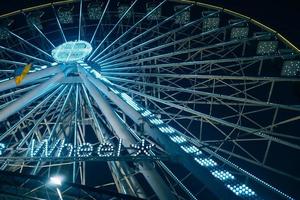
[60, 149]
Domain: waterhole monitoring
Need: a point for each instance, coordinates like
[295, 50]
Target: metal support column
[31, 77]
[30, 96]
[153, 178]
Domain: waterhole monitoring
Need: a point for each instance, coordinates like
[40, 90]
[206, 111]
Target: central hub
[72, 51]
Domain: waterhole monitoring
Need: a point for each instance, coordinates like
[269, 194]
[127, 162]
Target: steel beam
[258, 132]
[175, 53]
[31, 77]
[28, 43]
[207, 94]
[197, 62]
[14, 62]
[153, 178]
[146, 32]
[115, 26]
[101, 134]
[80, 16]
[130, 29]
[100, 20]
[30, 113]
[28, 98]
[203, 76]
[186, 39]
[24, 55]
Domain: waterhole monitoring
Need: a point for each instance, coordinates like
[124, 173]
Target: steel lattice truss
[179, 100]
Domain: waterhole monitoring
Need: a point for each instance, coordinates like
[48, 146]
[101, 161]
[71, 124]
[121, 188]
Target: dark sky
[282, 16]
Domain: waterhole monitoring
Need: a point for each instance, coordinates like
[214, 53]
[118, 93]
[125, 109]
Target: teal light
[71, 51]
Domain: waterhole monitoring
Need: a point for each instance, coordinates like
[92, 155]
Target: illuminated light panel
[210, 24]
[178, 139]
[156, 121]
[72, 51]
[166, 129]
[191, 149]
[65, 15]
[266, 47]
[265, 183]
[241, 190]
[183, 17]
[129, 100]
[206, 162]
[239, 32]
[222, 175]
[291, 68]
[94, 11]
[146, 113]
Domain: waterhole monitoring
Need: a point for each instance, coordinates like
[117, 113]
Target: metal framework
[176, 100]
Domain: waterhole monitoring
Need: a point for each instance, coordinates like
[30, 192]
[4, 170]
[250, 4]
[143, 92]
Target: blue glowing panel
[206, 162]
[241, 190]
[222, 175]
[72, 51]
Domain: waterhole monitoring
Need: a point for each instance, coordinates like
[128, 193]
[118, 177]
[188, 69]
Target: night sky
[283, 16]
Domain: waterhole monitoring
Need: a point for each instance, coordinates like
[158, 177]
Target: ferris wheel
[170, 99]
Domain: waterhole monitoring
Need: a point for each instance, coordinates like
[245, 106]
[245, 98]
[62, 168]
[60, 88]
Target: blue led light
[222, 175]
[67, 146]
[156, 121]
[72, 51]
[130, 101]
[105, 150]
[146, 113]
[84, 150]
[206, 162]
[166, 129]
[43, 148]
[178, 139]
[241, 190]
[190, 149]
